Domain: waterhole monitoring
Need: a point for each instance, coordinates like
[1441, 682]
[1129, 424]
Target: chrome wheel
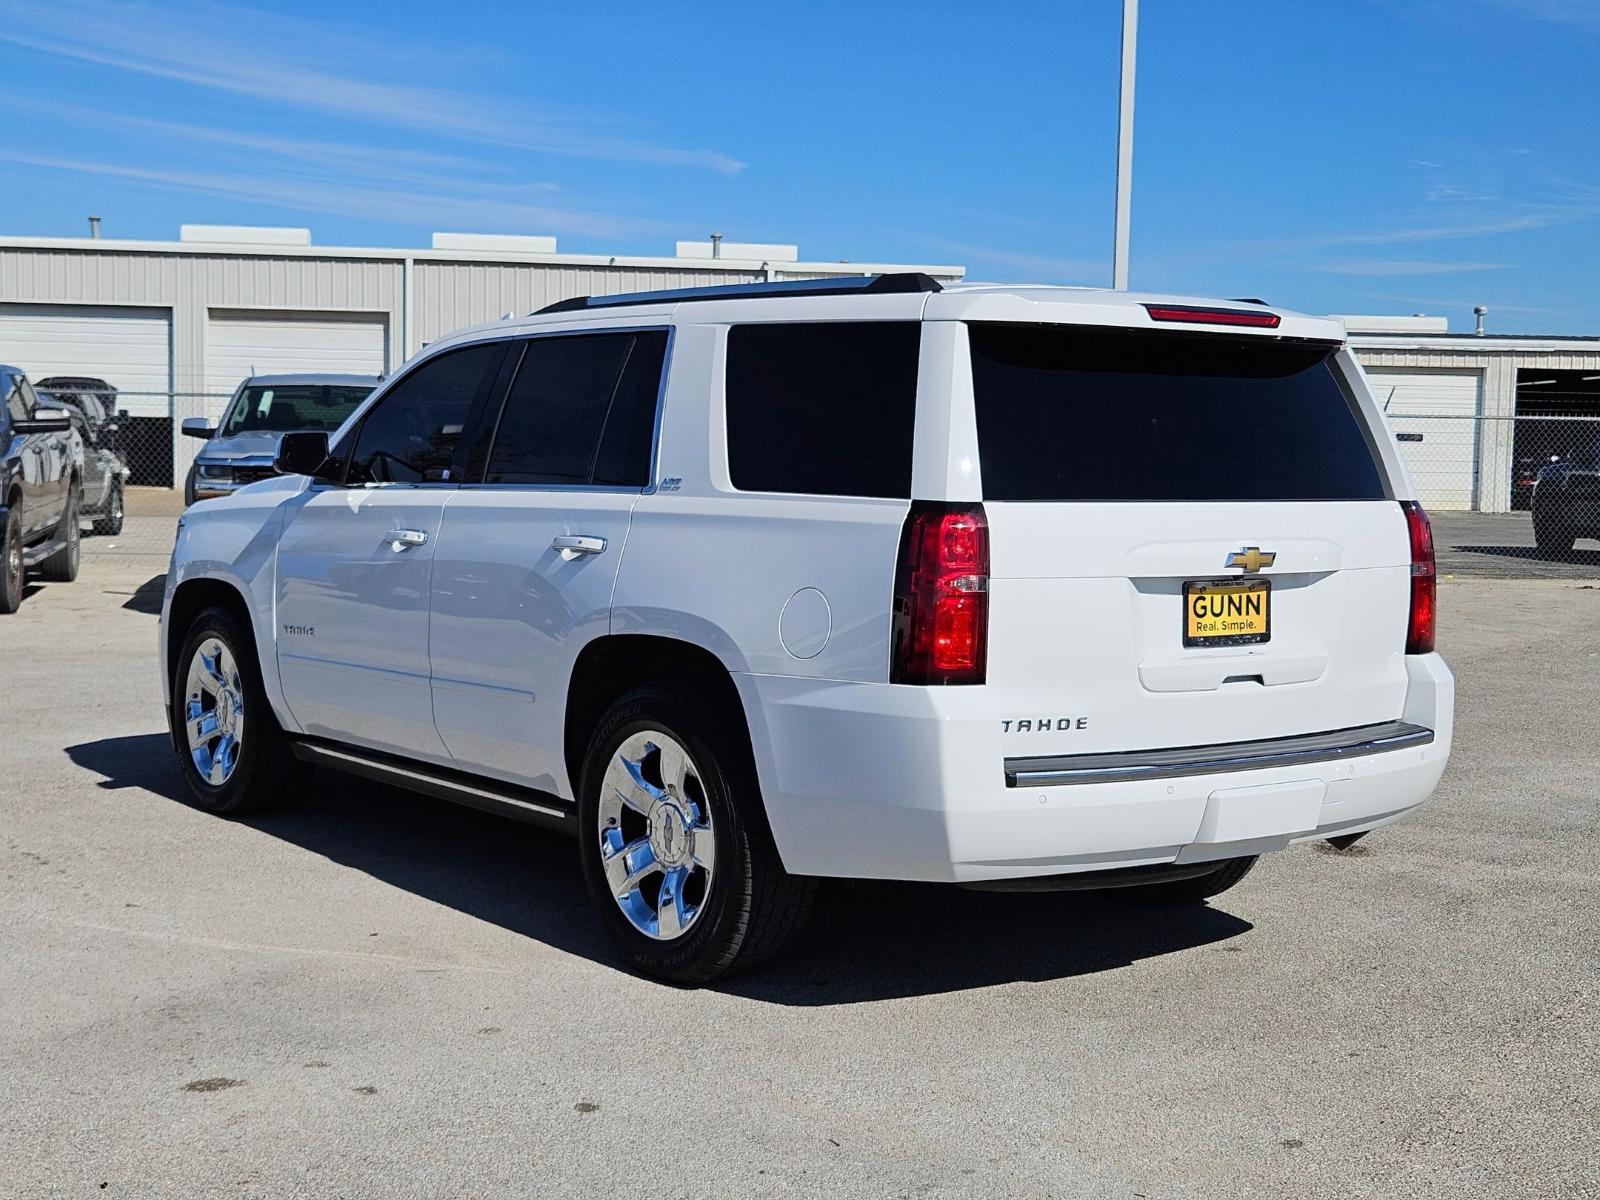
[657, 846]
[214, 711]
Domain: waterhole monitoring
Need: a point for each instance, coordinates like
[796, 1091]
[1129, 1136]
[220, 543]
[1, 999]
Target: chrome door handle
[573, 544]
[404, 539]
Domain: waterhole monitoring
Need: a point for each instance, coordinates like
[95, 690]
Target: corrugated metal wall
[449, 295]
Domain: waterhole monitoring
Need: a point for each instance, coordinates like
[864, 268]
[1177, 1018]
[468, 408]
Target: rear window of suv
[823, 409]
[1082, 413]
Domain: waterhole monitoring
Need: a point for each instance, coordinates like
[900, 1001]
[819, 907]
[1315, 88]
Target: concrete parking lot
[369, 994]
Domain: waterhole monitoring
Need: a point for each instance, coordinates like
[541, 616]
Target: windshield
[285, 407]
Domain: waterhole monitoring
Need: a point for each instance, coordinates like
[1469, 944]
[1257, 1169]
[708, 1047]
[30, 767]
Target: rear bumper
[876, 781]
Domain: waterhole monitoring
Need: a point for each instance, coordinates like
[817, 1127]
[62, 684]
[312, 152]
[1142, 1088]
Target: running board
[33, 555]
[506, 799]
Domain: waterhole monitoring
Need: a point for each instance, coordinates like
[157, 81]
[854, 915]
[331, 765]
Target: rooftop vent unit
[507, 243]
[246, 235]
[751, 251]
[1416, 324]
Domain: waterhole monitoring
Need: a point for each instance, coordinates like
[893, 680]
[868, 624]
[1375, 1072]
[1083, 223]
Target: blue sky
[1360, 156]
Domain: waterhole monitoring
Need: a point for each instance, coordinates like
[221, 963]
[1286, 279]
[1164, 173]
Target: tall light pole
[1119, 256]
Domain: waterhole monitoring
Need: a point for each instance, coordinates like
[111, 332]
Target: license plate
[1227, 612]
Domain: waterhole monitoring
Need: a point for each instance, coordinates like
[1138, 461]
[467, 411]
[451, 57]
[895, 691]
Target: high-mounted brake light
[941, 596]
[1193, 314]
[1424, 581]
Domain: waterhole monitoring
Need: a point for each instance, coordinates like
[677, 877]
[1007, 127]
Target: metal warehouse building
[174, 326]
[1476, 414]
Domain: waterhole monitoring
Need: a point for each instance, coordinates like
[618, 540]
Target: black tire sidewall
[11, 586]
[720, 765]
[72, 531]
[244, 786]
[109, 523]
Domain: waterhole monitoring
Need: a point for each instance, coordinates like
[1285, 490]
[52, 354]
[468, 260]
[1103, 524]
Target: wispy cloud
[265, 57]
[360, 200]
[1377, 267]
[1043, 268]
[1445, 233]
[406, 165]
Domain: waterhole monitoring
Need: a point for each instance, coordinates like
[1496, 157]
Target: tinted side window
[1075, 413]
[581, 410]
[414, 432]
[629, 434]
[822, 409]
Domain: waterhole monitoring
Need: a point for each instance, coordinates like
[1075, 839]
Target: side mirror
[302, 453]
[44, 420]
[197, 427]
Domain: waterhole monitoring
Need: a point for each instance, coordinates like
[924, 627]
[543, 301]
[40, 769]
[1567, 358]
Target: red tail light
[1193, 314]
[1424, 580]
[941, 596]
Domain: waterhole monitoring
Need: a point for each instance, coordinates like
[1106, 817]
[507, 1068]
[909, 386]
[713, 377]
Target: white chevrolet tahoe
[1014, 587]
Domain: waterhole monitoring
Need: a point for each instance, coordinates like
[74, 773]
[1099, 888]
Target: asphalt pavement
[371, 994]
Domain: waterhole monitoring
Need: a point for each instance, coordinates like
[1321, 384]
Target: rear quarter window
[822, 409]
[1081, 413]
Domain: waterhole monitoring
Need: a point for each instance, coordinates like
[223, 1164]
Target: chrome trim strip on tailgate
[1212, 760]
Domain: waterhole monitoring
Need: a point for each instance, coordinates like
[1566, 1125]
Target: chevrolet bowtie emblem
[1251, 558]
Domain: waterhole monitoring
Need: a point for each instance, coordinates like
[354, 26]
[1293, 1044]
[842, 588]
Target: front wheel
[235, 758]
[676, 855]
[1553, 540]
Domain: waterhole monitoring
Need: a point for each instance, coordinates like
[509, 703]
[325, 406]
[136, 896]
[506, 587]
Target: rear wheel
[1201, 887]
[676, 855]
[11, 571]
[62, 566]
[109, 522]
[235, 758]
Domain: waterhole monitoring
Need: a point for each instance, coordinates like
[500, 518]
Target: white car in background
[1012, 587]
[241, 447]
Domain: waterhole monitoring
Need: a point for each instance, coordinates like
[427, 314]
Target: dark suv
[1566, 500]
[41, 483]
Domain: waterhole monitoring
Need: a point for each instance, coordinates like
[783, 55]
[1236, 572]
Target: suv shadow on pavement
[868, 940]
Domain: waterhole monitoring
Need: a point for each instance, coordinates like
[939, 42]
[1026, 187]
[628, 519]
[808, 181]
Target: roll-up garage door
[129, 348]
[1434, 418]
[244, 343]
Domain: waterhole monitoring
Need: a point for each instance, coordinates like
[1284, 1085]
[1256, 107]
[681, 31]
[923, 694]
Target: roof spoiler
[853, 285]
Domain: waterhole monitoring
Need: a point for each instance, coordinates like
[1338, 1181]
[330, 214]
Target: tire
[1553, 542]
[708, 921]
[1198, 889]
[62, 566]
[258, 770]
[11, 569]
[109, 522]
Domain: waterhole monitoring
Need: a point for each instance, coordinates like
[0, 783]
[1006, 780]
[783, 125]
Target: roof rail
[852, 285]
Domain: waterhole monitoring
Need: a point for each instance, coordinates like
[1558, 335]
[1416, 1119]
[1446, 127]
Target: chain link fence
[135, 459]
[1513, 496]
